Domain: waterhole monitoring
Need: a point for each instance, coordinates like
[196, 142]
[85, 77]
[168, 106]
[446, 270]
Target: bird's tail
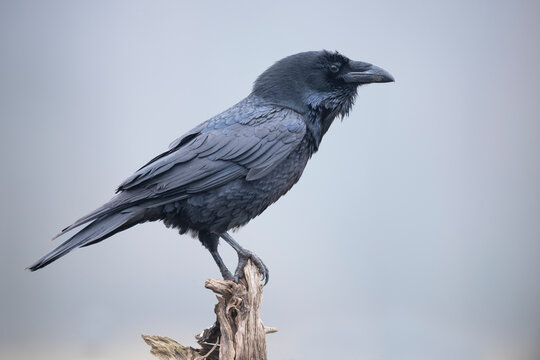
[98, 230]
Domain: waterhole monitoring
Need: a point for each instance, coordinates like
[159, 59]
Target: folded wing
[211, 155]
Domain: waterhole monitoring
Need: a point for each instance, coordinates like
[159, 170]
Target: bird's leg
[211, 242]
[243, 256]
[222, 267]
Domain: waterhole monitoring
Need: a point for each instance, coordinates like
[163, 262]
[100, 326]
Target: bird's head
[317, 80]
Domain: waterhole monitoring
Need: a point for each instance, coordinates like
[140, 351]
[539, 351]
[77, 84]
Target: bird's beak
[364, 73]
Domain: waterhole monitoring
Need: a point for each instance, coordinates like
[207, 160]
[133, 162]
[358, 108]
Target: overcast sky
[414, 233]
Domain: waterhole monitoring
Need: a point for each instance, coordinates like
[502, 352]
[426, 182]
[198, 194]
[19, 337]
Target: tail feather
[123, 201]
[100, 229]
[112, 206]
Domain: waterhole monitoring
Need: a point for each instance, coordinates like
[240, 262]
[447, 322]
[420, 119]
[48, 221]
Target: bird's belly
[235, 203]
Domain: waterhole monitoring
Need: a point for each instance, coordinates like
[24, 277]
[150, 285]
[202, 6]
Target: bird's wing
[238, 143]
[221, 150]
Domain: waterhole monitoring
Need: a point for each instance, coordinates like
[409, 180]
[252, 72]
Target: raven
[230, 168]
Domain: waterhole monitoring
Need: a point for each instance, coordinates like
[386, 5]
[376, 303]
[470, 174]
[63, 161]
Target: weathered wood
[165, 348]
[237, 334]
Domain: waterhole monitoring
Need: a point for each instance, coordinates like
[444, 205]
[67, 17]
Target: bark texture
[237, 334]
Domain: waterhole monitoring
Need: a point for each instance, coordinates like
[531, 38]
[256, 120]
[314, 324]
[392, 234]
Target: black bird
[229, 169]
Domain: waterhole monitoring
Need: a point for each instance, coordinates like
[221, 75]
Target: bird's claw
[242, 261]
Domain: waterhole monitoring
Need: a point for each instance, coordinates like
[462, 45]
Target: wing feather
[214, 154]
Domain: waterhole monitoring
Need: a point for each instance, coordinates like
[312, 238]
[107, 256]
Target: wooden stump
[237, 334]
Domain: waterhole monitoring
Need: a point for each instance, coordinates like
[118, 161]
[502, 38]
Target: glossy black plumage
[230, 168]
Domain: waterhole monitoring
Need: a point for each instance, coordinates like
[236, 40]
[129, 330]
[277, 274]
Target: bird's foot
[243, 258]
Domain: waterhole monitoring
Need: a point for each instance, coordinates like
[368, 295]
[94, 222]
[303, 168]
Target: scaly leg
[211, 242]
[222, 268]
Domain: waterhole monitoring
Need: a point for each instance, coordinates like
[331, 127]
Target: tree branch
[237, 334]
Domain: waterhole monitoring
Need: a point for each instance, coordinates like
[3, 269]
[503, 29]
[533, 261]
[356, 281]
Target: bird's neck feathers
[319, 109]
[324, 108]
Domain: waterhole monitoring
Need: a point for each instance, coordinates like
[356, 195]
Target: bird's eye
[334, 68]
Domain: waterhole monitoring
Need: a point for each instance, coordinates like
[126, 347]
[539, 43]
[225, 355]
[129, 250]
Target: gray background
[413, 234]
